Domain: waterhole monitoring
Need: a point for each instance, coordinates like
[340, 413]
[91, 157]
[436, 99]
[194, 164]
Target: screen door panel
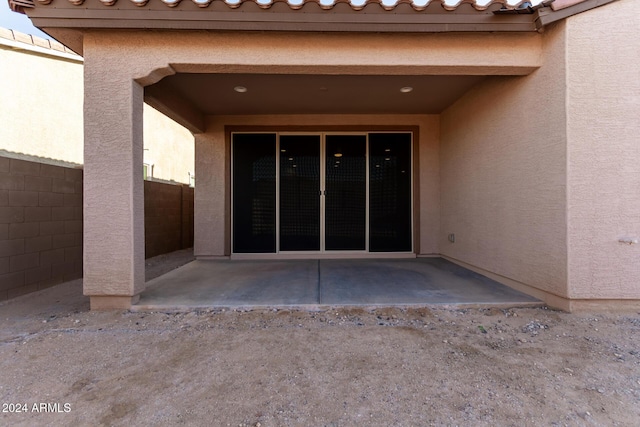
[254, 193]
[299, 193]
[345, 192]
[390, 192]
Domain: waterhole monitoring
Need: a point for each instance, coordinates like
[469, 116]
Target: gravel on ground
[62, 364]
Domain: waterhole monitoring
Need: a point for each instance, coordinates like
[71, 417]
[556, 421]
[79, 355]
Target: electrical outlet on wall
[452, 237]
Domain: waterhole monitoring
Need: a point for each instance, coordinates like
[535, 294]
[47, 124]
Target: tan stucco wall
[119, 63]
[503, 175]
[125, 53]
[40, 105]
[42, 117]
[168, 146]
[540, 176]
[603, 127]
[212, 211]
[537, 175]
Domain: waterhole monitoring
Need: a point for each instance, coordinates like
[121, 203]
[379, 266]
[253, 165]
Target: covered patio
[466, 131]
[318, 283]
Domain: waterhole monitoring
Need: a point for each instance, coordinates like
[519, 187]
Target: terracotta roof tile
[418, 5]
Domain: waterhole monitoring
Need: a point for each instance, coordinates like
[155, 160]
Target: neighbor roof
[25, 42]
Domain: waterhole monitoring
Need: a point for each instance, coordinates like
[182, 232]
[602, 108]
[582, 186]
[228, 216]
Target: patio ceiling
[233, 94]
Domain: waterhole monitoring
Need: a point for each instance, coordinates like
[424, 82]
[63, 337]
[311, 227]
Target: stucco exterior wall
[603, 128]
[42, 113]
[119, 63]
[503, 176]
[168, 146]
[212, 222]
[41, 105]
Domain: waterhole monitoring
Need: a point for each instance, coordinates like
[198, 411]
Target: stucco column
[113, 190]
[212, 194]
[428, 185]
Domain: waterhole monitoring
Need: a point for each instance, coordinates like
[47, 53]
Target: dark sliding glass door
[296, 193]
[390, 192]
[300, 193]
[254, 193]
[345, 192]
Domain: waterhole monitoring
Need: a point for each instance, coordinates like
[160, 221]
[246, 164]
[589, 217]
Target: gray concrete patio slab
[315, 283]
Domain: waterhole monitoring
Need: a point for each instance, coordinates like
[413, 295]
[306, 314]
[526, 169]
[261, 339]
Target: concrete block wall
[187, 216]
[168, 218]
[40, 226]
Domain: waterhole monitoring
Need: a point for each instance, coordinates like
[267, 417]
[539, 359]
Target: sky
[20, 22]
[17, 21]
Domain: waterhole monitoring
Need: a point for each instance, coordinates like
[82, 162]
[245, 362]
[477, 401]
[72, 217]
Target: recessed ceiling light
[406, 89]
[240, 89]
[337, 155]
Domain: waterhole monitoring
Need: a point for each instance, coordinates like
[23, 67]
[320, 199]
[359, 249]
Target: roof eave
[279, 15]
[20, 5]
[553, 14]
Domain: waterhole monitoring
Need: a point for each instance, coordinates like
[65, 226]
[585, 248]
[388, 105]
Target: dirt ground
[339, 367]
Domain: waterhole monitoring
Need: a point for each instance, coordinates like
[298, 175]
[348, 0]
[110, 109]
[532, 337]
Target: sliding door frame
[323, 253]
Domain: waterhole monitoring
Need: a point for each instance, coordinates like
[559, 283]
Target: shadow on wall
[40, 226]
[168, 218]
[41, 223]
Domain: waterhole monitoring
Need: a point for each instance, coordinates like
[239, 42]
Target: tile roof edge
[20, 5]
[19, 40]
